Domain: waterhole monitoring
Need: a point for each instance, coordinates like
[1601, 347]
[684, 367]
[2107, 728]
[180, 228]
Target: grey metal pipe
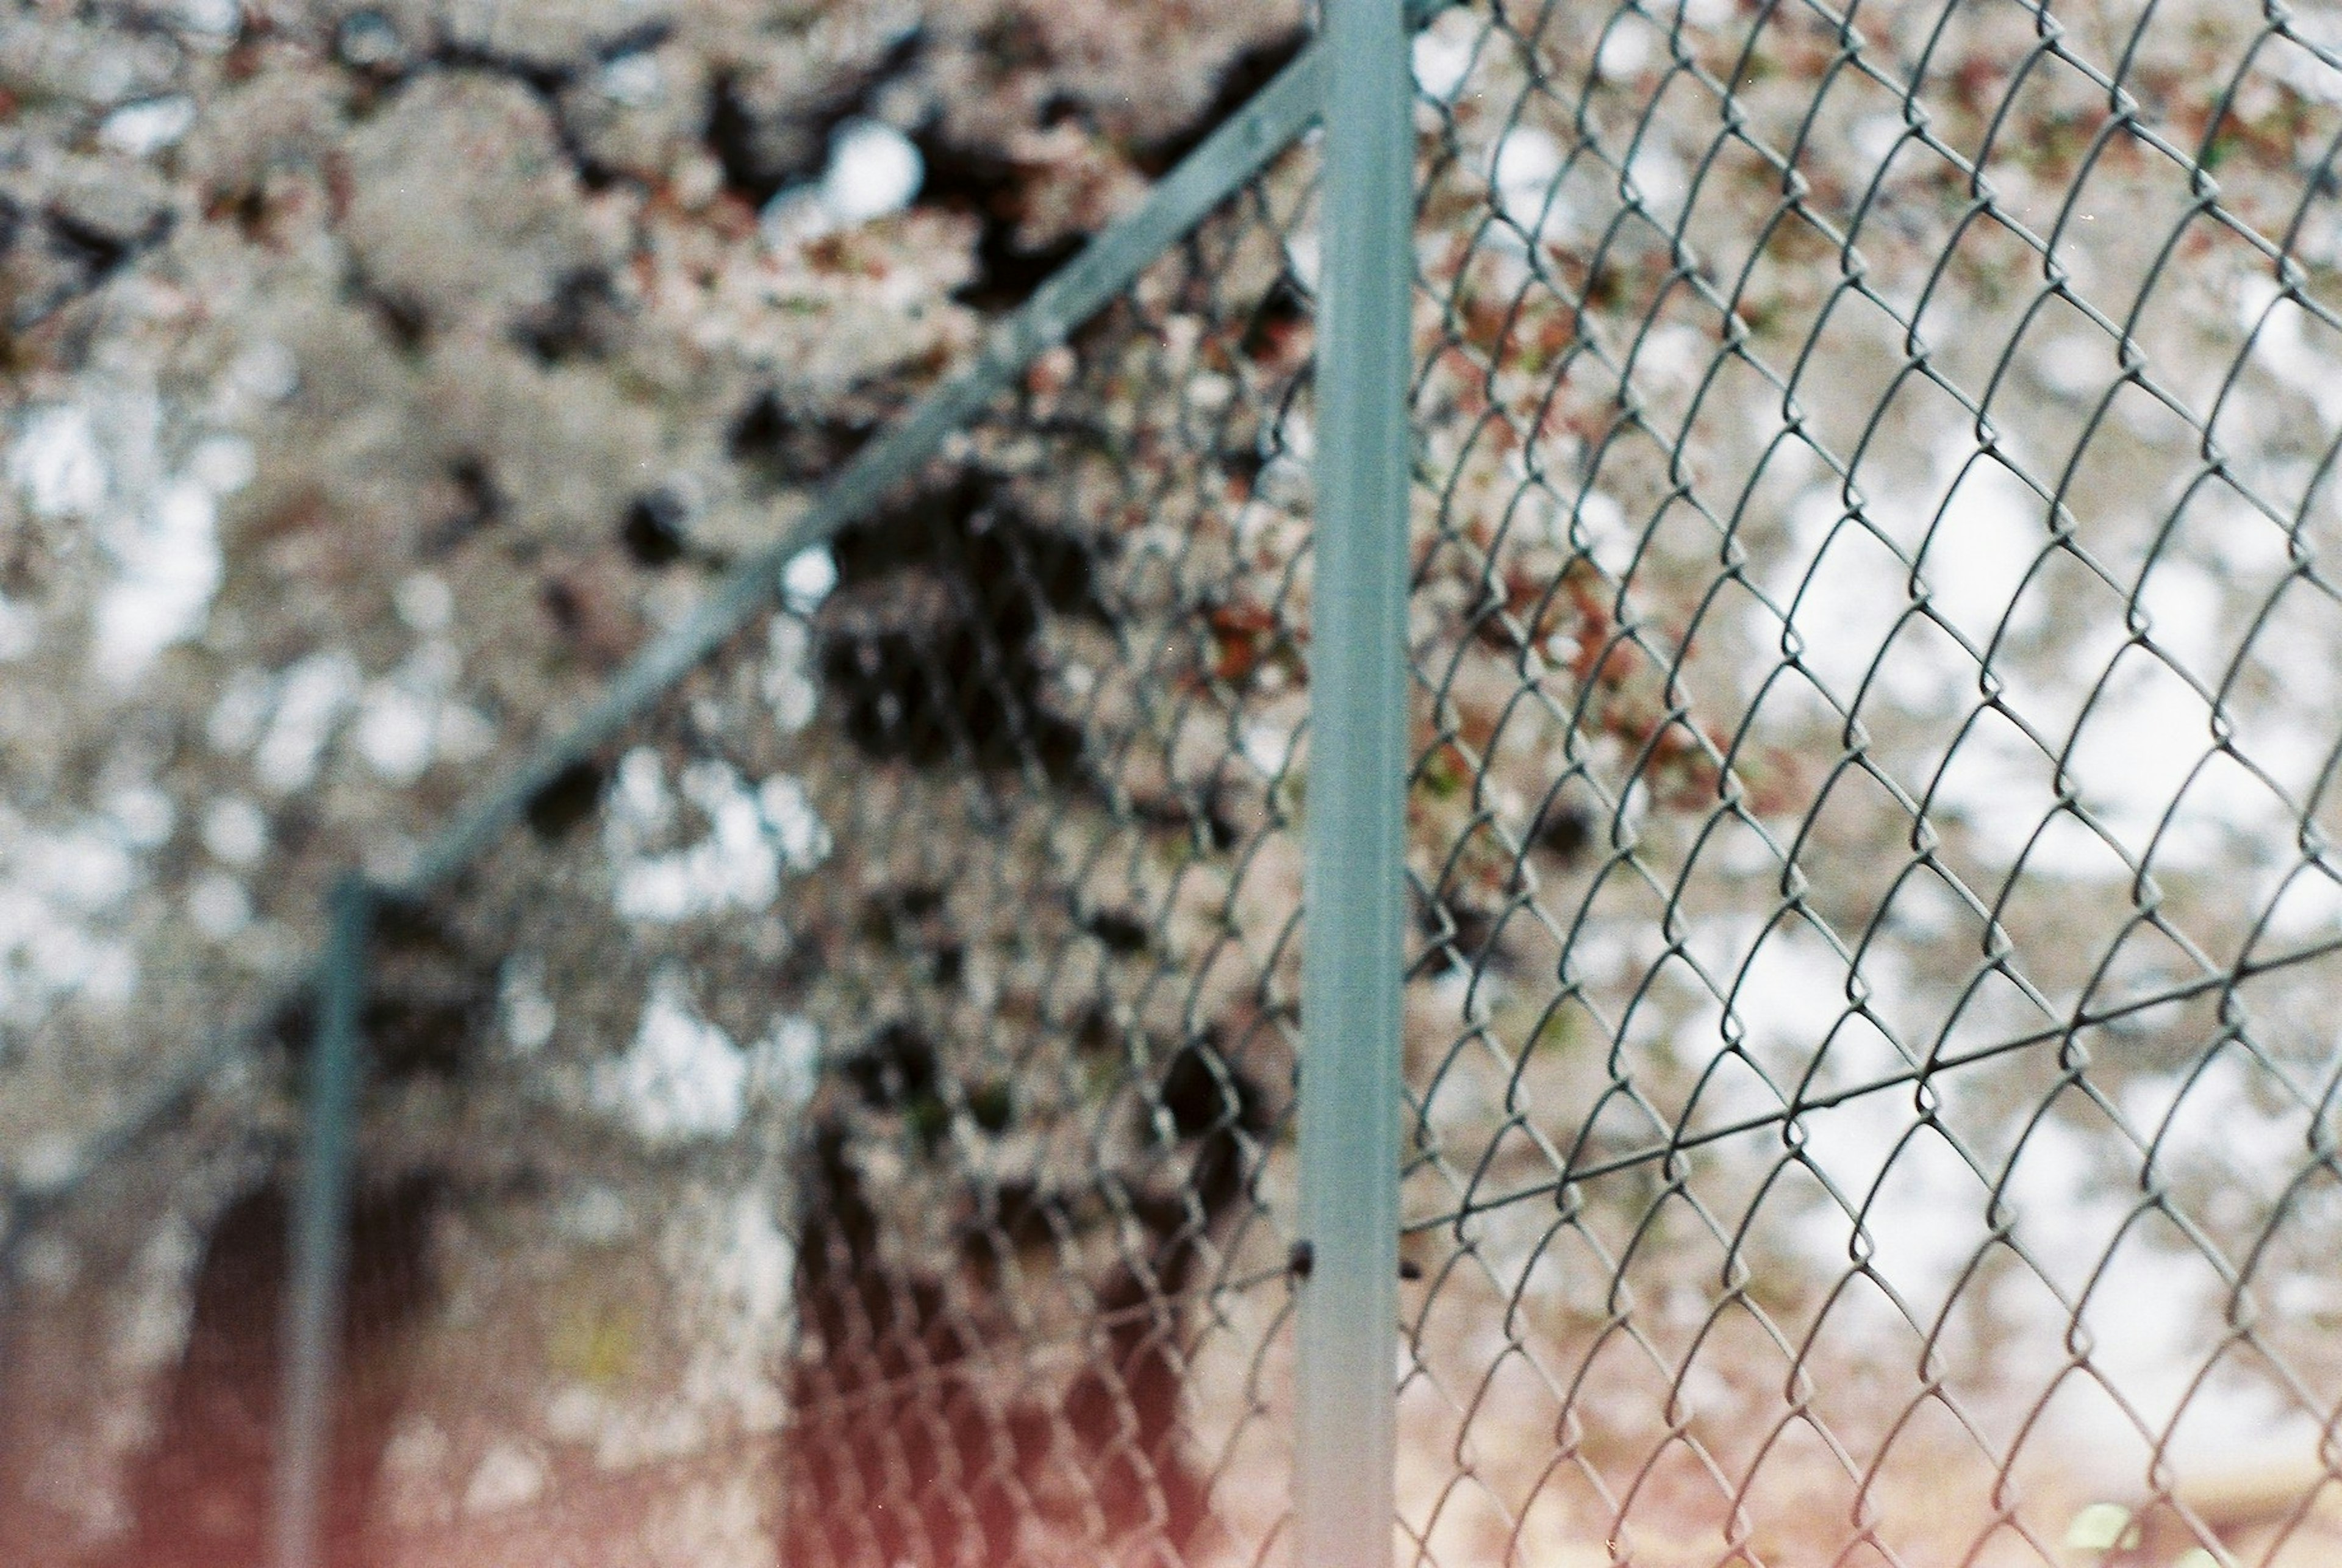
[319, 1239]
[1354, 881]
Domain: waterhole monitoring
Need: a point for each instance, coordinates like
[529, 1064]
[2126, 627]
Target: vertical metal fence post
[319, 1238]
[1354, 882]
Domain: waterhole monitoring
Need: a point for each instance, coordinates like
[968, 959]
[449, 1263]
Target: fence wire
[941, 925]
[1869, 1095]
[847, 1113]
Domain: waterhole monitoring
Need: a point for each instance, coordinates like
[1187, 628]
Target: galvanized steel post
[1354, 883]
[319, 1239]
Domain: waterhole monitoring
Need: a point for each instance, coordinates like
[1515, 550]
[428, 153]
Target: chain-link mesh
[1869, 1090]
[1869, 1096]
[920, 976]
[849, 1118]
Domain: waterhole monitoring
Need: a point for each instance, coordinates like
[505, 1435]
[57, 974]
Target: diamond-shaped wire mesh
[942, 925]
[1869, 1094]
[851, 1117]
[1041, 1291]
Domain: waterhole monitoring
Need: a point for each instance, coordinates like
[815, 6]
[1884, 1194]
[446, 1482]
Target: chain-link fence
[837, 1098]
[943, 924]
[1872, 626]
[1866, 1094]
